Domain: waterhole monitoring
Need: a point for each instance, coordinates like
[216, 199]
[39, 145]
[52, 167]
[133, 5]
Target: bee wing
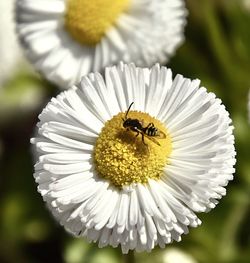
[141, 122]
[161, 135]
[152, 139]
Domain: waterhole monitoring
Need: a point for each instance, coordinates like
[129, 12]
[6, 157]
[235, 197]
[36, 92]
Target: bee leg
[142, 137]
[134, 129]
[143, 141]
[137, 133]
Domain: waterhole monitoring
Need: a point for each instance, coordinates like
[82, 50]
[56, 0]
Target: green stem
[130, 257]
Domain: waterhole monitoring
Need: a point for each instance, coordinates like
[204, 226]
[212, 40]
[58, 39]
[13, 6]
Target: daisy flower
[133, 174]
[9, 49]
[66, 39]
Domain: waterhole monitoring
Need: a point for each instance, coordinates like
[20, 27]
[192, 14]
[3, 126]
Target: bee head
[126, 122]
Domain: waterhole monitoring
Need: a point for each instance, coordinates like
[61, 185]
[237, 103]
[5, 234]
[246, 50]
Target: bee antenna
[128, 110]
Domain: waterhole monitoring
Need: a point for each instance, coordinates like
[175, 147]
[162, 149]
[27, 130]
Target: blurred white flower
[66, 39]
[246, 4]
[174, 255]
[10, 53]
[103, 182]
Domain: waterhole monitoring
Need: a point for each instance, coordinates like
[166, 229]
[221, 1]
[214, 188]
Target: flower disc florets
[87, 21]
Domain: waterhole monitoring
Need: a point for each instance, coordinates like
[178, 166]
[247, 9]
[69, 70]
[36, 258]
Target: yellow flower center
[88, 20]
[122, 158]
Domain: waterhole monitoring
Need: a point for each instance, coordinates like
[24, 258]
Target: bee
[150, 131]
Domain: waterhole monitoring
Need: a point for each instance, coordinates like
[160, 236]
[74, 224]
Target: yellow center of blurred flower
[123, 158]
[88, 20]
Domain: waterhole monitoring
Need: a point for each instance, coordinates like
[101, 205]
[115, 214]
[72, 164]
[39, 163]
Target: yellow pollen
[123, 159]
[88, 20]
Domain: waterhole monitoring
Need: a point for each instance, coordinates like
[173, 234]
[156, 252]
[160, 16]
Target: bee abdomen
[152, 131]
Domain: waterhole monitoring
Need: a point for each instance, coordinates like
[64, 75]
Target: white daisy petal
[114, 85]
[94, 100]
[101, 220]
[103, 183]
[68, 130]
[133, 212]
[48, 37]
[83, 197]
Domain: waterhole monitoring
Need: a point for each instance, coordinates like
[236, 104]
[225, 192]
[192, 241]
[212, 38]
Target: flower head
[66, 39]
[133, 174]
